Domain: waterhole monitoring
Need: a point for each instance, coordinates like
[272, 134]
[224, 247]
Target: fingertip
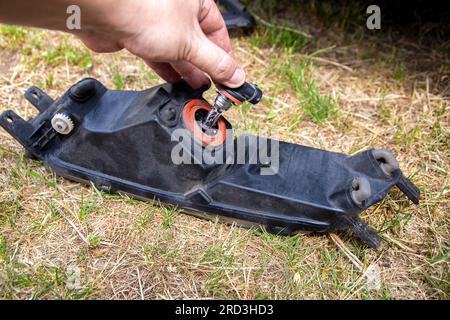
[197, 79]
[171, 78]
[197, 84]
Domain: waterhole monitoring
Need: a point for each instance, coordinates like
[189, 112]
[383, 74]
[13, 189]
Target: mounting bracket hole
[386, 160]
[36, 95]
[361, 190]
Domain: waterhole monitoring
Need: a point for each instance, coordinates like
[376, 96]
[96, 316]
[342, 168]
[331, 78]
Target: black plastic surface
[235, 15]
[122, 143]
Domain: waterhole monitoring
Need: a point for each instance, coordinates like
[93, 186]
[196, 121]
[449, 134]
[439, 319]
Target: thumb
[216, 62]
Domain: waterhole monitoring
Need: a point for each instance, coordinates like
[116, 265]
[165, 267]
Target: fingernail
[238, 77]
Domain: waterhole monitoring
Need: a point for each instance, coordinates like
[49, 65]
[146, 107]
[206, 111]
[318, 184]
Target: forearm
[96, 15]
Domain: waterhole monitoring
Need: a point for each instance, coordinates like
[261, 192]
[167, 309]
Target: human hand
[177, 38]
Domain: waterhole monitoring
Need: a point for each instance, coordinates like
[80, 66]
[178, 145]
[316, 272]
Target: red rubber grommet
[192, 125]
[229, 96]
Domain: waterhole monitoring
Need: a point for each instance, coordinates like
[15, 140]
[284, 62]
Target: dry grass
[59, 239]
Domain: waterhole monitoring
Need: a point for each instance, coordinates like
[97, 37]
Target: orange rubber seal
[229, 96]
[192, 125]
